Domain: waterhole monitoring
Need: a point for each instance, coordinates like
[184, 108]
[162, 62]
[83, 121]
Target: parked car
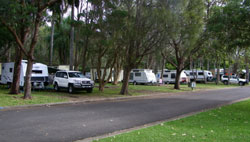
[233, 80]
[73, 81]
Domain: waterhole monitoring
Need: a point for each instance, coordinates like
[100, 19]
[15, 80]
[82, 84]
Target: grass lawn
[226, 124]
[42, 97]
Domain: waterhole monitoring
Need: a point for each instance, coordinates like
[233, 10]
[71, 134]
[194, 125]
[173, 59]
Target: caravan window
[200, 73]
[165, 75]
[138, 74]
[11, 69]
[172, 75]
[191, 73]
[2, 68]
[37, 71]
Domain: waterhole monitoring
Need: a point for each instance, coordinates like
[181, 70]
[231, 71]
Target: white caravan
[142, 76]
[170, 75]
[94, 75]
[200, 75]
[39, 76]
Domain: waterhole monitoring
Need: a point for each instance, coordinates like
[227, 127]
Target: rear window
[225, 76]
[37, 71]
[138, 74]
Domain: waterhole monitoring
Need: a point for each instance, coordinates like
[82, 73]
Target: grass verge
[50, 96]
[226, 124]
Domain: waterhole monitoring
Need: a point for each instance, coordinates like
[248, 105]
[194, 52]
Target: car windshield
[76, 75]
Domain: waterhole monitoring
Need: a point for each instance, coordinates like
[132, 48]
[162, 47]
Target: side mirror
[65, 76]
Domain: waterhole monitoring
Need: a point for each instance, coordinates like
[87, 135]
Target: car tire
[71, 89]
[56, 87]
[134, 83]
[241, 84]
[225, 82]
[90, 90]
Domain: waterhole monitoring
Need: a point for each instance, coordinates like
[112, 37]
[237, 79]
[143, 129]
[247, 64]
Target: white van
[39, 76]
[142, 76]
[170, 75]
[200, 75]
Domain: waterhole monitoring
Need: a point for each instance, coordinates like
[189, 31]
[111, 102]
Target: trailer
[142, 76]
[200, 75]
[169, 76]
[39, 76]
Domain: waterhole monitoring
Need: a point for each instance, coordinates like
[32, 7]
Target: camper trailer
[39, 76]
[142, 76]
[94, 75]
[199, 75]
[170, 75]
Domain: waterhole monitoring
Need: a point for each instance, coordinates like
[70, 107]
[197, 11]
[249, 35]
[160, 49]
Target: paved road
[79, 121]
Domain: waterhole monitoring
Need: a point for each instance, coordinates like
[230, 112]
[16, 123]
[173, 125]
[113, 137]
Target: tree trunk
[218, 72]
[27, 90]
[15, 86]
[177, 79]
[101, 85]
[51, 41]
[71, 50]
[117, 73]
[247, 67]
[125, 84]
[208, 65]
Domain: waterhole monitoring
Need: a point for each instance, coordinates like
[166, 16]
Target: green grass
[42, 97]
[37, 98]
[227, 124]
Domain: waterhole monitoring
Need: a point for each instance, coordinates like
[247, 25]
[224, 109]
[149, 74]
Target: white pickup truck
[233, 80]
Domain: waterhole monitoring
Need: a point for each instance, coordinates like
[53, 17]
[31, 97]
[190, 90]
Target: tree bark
[15, 86]
[177, 79]
[27, 89]
[52, 41]
[247, 67]
[218, 72]
[71, 50]
[125, 84]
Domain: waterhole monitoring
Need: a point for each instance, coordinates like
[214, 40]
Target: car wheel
[89, 90]
[71, 89]
[134, 83]
[225, 82]
[56, 87]
[241, 84]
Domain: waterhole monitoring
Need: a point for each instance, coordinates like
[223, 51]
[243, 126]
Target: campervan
[169, 76]
[199, 75]
[142, 76]
[94, 75]
[39, 76]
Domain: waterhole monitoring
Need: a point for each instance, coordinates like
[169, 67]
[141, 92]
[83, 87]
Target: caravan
[39, 76]
[170, 75]
[142, 76]
[200, 75]
[94, 75]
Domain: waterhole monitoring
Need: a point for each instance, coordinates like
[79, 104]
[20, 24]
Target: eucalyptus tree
[230, 25]
[23, 18]
[142, 34]
[184, 25]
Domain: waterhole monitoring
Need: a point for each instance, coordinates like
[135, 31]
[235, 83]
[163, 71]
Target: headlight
[92, 82]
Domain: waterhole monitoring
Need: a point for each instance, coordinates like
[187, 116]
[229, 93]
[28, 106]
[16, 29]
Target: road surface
[78, 121]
